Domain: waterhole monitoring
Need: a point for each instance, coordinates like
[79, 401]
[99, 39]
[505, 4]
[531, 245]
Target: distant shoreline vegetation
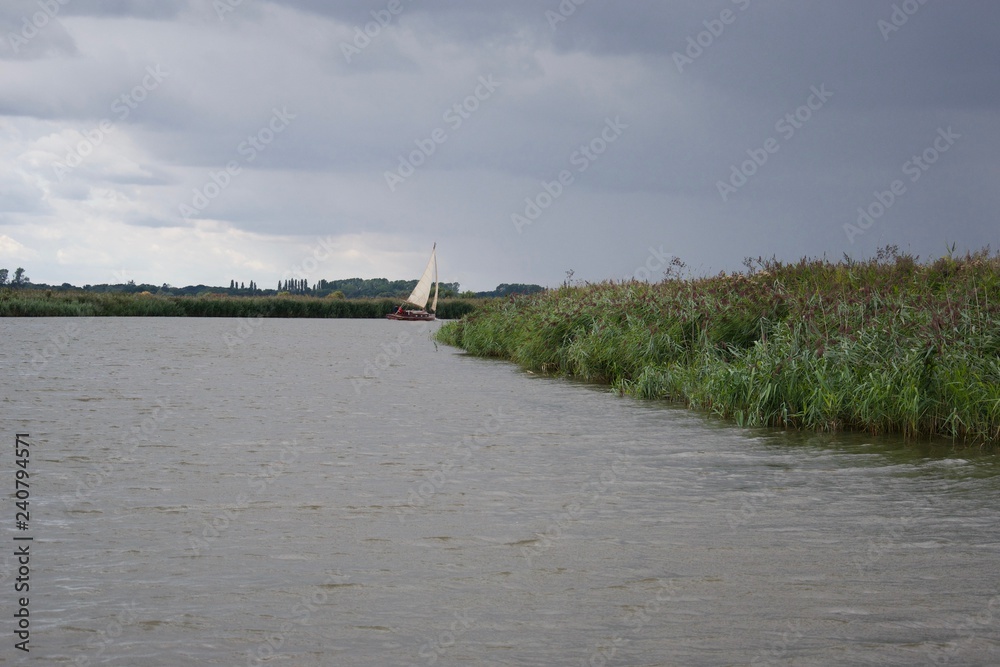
[75, 303]
[349, 288]
[888, 345]
[348, 298]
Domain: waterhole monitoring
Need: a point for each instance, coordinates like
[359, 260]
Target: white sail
[422, 292]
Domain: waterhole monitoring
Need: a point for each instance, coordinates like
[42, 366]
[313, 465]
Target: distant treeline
[504, 289]
[349, 288]
[58, 303]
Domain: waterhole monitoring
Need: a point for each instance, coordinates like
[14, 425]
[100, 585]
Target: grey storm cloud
[748, 127]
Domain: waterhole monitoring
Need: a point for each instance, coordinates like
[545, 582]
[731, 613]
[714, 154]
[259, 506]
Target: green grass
[37, 303]
[884, 346]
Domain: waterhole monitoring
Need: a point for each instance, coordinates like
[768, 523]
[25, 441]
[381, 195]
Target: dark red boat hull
[411, 316]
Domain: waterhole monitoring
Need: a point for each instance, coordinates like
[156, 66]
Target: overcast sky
[200, 141]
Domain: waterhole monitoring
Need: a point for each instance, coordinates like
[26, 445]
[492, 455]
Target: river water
[342, 492]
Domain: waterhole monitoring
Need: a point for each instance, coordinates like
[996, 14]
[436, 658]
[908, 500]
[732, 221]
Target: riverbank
[889, 345]
[50, 303]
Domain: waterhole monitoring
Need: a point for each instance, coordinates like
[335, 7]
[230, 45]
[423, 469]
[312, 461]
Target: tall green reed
[888, 345]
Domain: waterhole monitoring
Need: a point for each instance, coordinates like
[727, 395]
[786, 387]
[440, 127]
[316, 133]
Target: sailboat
[421, 294]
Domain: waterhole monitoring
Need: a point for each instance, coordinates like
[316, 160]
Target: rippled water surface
[339, 492]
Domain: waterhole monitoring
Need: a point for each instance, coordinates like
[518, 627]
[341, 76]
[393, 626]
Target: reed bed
[39, 303]
[884, 346]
